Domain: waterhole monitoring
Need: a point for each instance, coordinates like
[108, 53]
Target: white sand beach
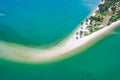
[21, 53]
[66, 48]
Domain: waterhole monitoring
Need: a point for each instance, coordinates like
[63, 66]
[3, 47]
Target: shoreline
[66, 48]
[30, 55]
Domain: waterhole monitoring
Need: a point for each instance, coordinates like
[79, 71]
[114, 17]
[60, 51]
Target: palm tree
[81, 32]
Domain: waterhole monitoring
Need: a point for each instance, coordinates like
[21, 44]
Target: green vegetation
[108, 12]
[90, 28]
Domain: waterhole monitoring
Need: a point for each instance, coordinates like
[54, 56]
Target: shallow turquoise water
[41, 22]
[99, 62]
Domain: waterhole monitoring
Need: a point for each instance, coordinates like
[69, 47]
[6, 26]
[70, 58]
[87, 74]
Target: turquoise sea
[44, 22]
[41, 22]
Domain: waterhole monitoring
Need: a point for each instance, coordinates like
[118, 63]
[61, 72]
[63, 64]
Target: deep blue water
[41, 22]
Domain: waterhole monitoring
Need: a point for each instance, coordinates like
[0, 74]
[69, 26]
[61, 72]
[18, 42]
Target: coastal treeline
[108, 12]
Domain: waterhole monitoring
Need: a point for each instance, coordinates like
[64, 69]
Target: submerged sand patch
[68, 47]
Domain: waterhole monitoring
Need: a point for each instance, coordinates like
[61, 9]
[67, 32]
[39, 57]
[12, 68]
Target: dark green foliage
[102, 8]
[96, 28]
[95, 18]
[91, 28]
[118, 14]
[113, 5]
[81, 33]
[108, 13]
[113, 9]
